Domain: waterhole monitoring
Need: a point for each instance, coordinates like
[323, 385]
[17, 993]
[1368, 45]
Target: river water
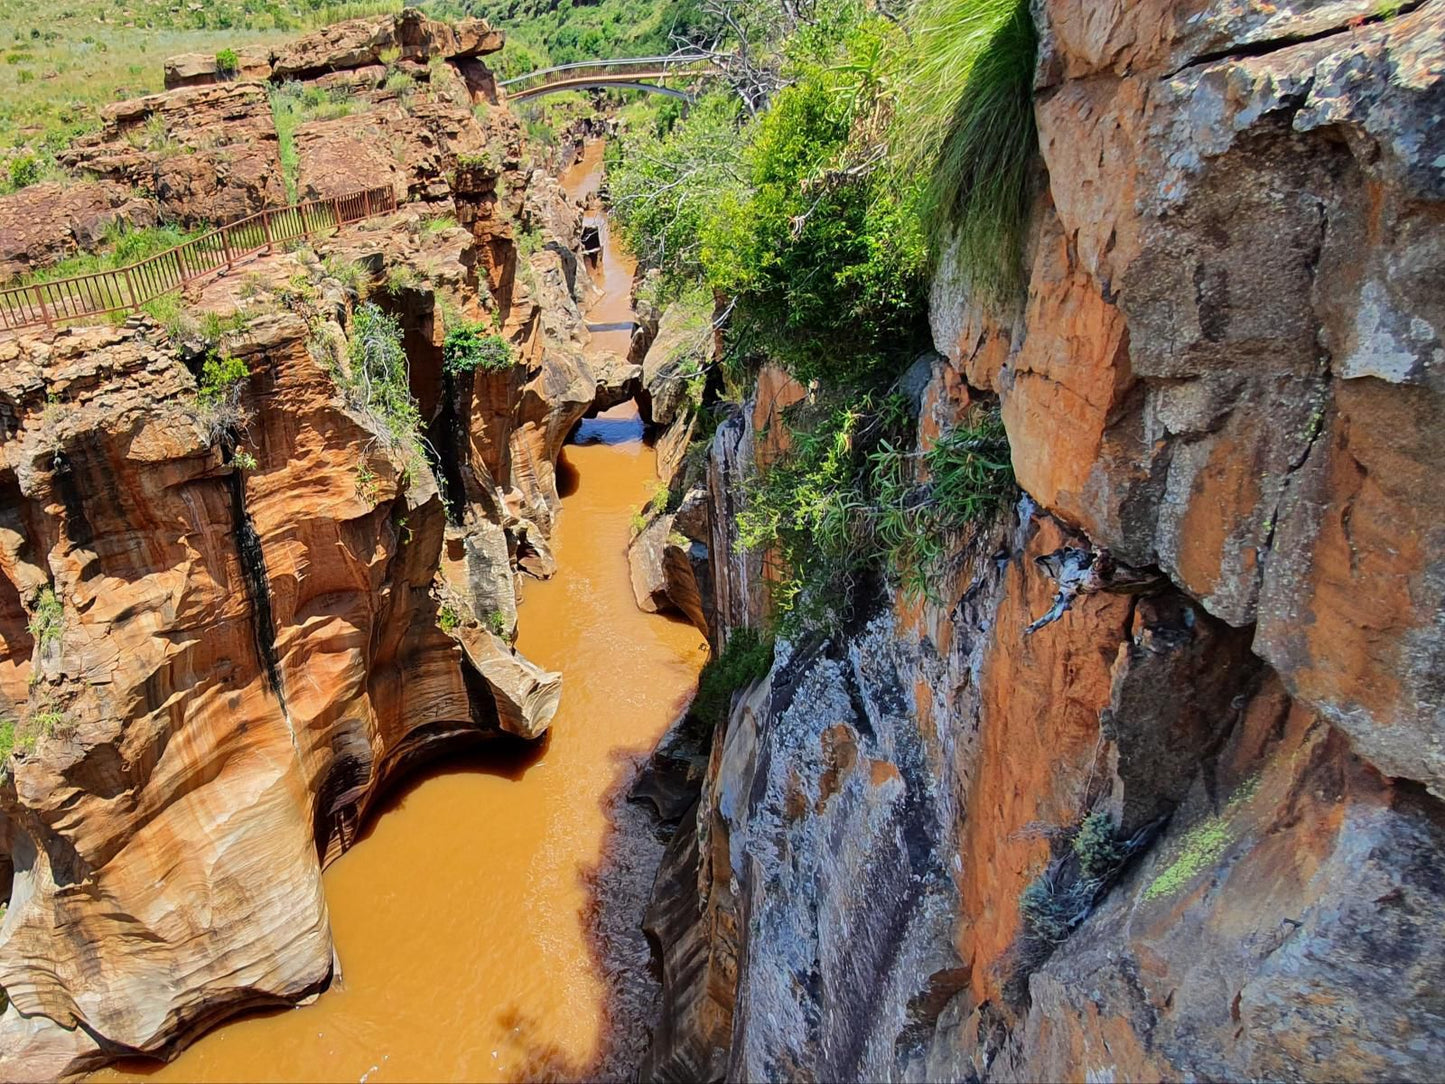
[486, 922]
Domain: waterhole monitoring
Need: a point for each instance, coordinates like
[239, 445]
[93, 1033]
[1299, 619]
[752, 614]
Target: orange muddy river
[486, 923]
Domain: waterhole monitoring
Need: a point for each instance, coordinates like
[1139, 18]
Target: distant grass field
[60, 63]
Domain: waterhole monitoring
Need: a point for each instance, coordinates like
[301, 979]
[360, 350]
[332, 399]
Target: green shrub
[965, 122]
[747, 656]
[847, 500]
[227, 63]
[378, 380]
[497, 622]
[448, 618]
[47, 618]
[1099, 851]
[244, 461]
[25, 169]
[221, 377]
[469, 347]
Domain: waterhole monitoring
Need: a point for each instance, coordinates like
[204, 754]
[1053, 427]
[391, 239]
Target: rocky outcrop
[203, 69]
[42, 224]
[407, 36]
[1209, 625]
[202, 153]
[224, 629]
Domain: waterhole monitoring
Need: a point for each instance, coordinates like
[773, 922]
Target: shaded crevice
[253, 573]
[1250, 50]
[447, 435]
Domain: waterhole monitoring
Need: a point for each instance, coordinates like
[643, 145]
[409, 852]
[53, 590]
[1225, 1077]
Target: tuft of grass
[965, 121]
[227, 63]
[47, 618]
[352, 274]
[435, 224]
[400, 278]
[497, 622]
[378, 380]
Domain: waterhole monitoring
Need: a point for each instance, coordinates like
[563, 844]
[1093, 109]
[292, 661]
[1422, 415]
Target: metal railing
[645, 66]
[128, 288]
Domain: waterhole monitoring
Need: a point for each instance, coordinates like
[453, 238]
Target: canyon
[1213, 611]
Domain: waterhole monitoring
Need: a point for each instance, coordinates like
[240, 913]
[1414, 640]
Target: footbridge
[649, 73]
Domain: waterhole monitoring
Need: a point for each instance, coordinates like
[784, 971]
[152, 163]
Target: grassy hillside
[63, 61]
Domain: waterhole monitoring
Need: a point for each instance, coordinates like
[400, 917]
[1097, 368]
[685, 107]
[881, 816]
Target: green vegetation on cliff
[812, 193]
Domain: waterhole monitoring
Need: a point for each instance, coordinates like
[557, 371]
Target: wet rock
[526, 695]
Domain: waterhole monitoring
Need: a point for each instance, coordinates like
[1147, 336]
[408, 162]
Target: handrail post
[130, 287]
[266, 227]
[226, 246]
[44, 311]
[367, 196]
[336, 211]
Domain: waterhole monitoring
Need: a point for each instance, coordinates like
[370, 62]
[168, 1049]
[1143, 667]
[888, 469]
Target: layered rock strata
[227, 623]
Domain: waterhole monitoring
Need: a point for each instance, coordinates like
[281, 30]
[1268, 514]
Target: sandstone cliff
[225, 626]
[1214, 615]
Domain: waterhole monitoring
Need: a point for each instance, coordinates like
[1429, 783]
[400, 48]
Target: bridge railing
[582, 69]
[128, 288]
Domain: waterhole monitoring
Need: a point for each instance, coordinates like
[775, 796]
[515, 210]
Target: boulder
[526, 695]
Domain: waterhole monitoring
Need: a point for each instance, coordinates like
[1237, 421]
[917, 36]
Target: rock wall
[1214, 615]
[225, 628]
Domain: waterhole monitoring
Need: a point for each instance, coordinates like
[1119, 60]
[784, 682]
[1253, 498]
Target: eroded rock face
[202, 153]
[1213, 617]
[262, 621]
[42, 224]
[409, 35]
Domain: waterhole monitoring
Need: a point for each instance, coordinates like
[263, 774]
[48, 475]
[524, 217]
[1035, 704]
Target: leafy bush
[221, 377]
[448, 618]
[747, 656]
[227, 63]
[965, 121]
[25, 169]
[846, 500]
[244, 461]
[666, 184]
[469, 347]
[378, 380]
[497, 623]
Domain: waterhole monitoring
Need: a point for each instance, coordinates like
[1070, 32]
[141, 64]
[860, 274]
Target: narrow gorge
[915, 554]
